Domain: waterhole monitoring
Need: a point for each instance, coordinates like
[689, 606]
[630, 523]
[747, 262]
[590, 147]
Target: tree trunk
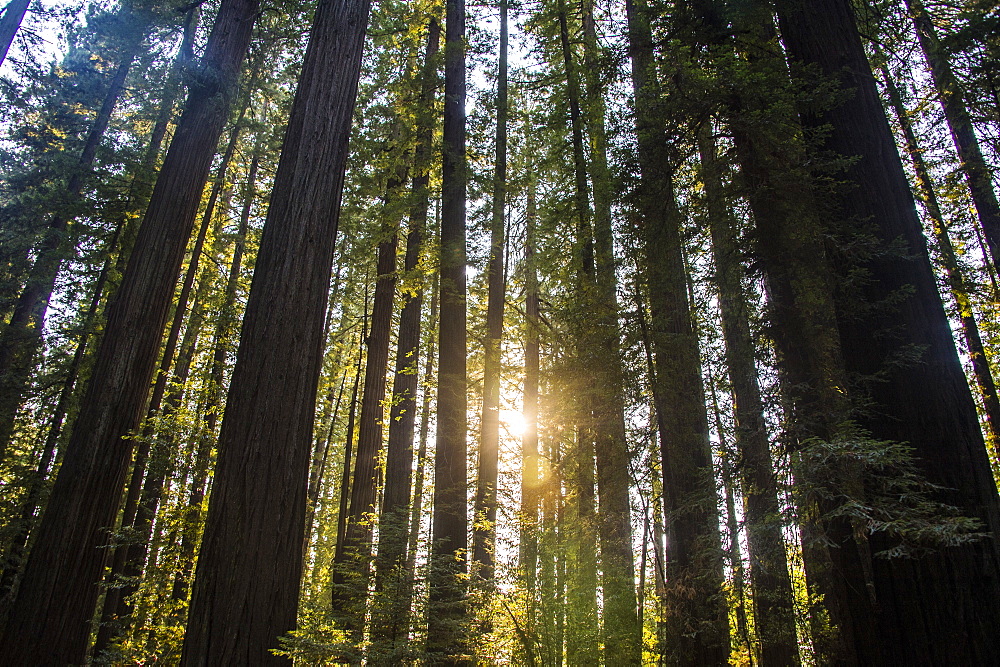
[484, 526]
[944, 607]
[351, 567]
[416, 512]
[446, 640]
[57, 596]
[698, 627]
[953, 272]
[582, 623]
[390, 619]
[352, 416]
[530, 482]
[622, 632]
[13, 14]
[246, 589]
[952, 97]
[772, 589]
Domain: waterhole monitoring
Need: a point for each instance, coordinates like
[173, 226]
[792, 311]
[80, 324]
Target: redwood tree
[246, 586]
[50, 621]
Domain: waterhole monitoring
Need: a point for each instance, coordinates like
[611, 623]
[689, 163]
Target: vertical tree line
[680, 373]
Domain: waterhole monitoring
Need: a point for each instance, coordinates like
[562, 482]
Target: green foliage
[879, 488]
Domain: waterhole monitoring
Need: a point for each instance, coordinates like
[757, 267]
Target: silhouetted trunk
[352, 418]
[529, 528]
[485, 509]
[772, 589]
[943, 607]
[416, 511]
[698, 627]
[952, 96]
[390, 618]
[58, 593]
[351, 567]
[622, 633]
[582, 622]
[246, 587]
[447, 605]
[13, 14]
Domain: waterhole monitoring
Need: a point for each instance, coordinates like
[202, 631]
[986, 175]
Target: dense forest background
[544, 332]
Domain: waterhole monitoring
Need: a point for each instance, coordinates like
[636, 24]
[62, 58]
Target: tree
[57, 595]
[240, 607]
[916, 391]
[447, 607]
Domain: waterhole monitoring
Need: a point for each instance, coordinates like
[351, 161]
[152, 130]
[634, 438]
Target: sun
[513, 421]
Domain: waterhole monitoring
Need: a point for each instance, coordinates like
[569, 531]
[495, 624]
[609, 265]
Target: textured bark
[772, 589]
[13, 14]
[390, 620]
[485, 508]
[447, 611]
[944, 607]
[58, 594]
[698, 628]
[246, 586]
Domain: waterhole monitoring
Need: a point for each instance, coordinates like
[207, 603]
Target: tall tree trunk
[351, 432]
[733, 548]
[530, 481]
[13, 14]
[484, 526]
[246, 589]
[416, 511]
[957, 283]
[943, 607]
[22, 336]
[789, 230]
[57, 596]
[352, 566]
[772, 590]
[622, 632]
[390, 619]
[137, 516]
[952, 96]
[446, 638]
[698, 626]
[582, 623]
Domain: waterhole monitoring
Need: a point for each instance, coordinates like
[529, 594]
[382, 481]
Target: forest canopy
[532, 332]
